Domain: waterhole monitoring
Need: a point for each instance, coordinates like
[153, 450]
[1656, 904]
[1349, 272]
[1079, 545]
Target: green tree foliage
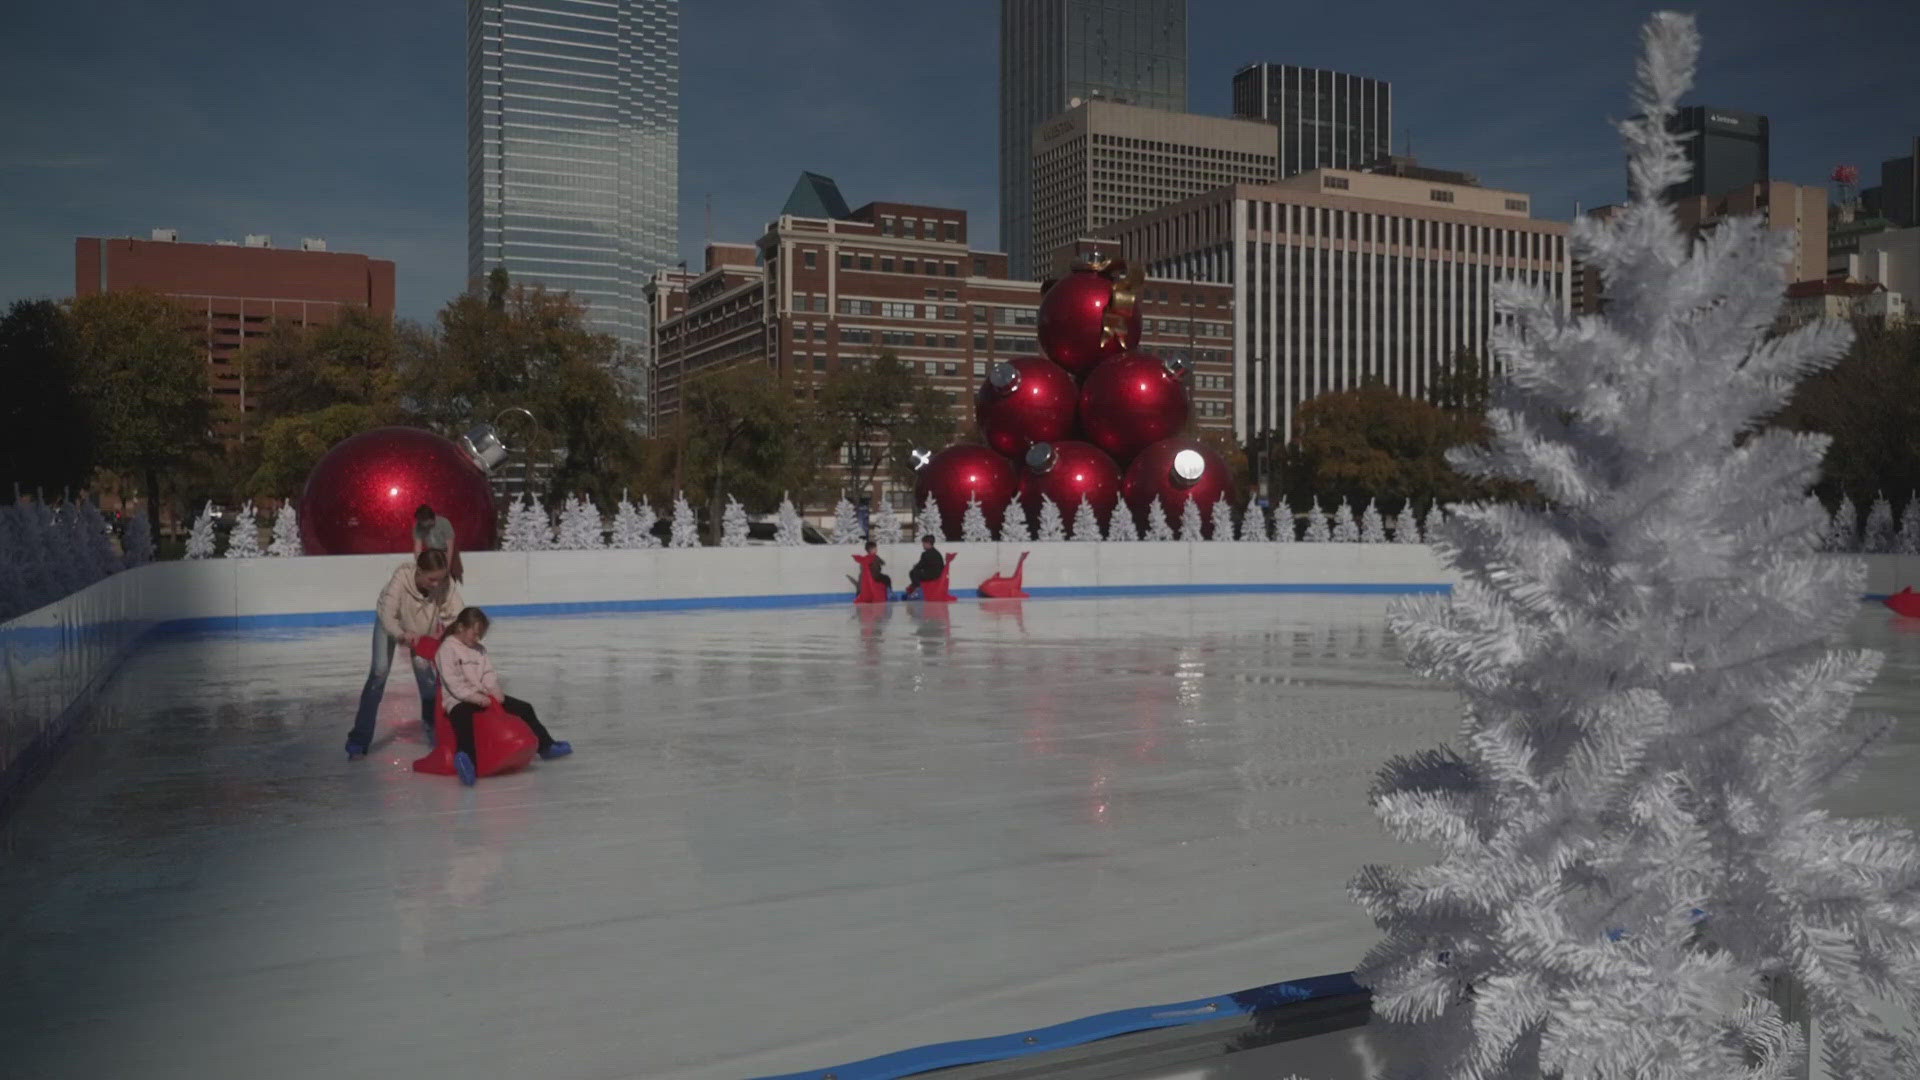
[743, 435]
[1869, 403]
[46, 430]
[1372, 442]
[315, 386]
[1462, 385]
[144, 372]
[882, 406]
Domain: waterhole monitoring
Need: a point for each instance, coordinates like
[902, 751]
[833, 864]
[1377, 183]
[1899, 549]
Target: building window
[949, 312]
[807, 259]
[819, 362]
[979, 367]
[933, 268]
[1517, 204]
[950, 368]
[953, 230]
[846, 260]
[933, 294]
[886, 226]
[866, 261]
[953, 269]
[980, 342]
[886, 265]
[950, 341]
[933, 368]
[1338, 183]
[952, 295]
[1438, 195]
[897, 311]
[979, 267]
[909, 266]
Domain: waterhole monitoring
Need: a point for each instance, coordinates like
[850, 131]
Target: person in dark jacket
[886, 582]
[931, 565]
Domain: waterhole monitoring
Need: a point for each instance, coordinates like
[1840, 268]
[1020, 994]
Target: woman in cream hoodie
[418, 602]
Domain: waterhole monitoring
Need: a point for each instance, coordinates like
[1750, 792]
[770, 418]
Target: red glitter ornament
[966, 470]
[360, 498]
[1088, 317]
[1173, 471]
[1066, 472]
[1023, 401]
[1132, 402]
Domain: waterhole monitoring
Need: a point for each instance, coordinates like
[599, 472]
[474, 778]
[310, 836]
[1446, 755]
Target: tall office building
[573, 119]
[1326, 119]
[1897, 197]
[1055, 54]
[1728, 150]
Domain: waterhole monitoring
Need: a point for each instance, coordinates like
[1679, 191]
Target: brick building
[817, 293]
[236, 291]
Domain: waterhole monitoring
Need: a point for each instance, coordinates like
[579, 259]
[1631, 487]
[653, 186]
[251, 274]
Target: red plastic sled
[502, 742]
[999, 586]
[936, 590]
[870, 591]
[1905, 602]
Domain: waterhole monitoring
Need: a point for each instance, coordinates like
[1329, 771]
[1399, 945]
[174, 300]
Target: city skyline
[212, 120]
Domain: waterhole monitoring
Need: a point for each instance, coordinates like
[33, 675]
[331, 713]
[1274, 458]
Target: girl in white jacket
[468, 684]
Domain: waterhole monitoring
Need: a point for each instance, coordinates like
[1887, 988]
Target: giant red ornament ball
[1132, 402]
[1066, 472]
[1173, 471]
[1023, 401]
[962, 471]
[1070, 325]
[360, 498]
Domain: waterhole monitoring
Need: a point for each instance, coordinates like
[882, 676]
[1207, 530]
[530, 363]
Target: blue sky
[347, 120]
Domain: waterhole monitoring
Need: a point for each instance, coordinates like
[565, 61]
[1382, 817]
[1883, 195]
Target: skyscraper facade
[1326, 119]
[1728, 150]
[1055, 54]
[573, 167]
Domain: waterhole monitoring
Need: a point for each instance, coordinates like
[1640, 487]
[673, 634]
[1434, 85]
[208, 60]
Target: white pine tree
[929, 522]
[1120, 525]
[1191, 527]
[1843, 530]
[1345, 529]
[846, 522]
[1909, 540]
[244, 541]
[200, 541]
[1222, 519]
[1050, 526]
[973, 523]
[1436, 517]
[686, 530]
[136, 545]
[787, 529]
[1405, 529]
[1317, 531]
[885, 524]
[100, 536]
[1879, 536]
[647, 520]
[733, 524]
[286, 533]
[1633, 832]
[1373, 528]
[633, 526]
[1013, 524]
[526, 526]
[1283, 524]
[1253, 522]
[1157, 525]
[580, 526]
[1085, 524]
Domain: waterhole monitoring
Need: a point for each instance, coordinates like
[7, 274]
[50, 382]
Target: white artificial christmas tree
[526, 526]
[733, 524]
[1373, 529]
[1879, 536]
[1908, 542]
[1317, 531]
[1253, 522]
[200, 541]
[930, 523]
[686, 530]
[1345, 529]
[1013, 524]
[1085, 525]
[1050, 527]
[846, 522]
[885, 526]
[1222, 524]
[787, 529]
[136, 545]
[973, 523]
[286, 533]
[1283, 523]
[633, 525]
[99, 539]
[1633, 832]
[1120, 525]
[1157, 526]
[1436, 517]
[243, 542]
[1192, 529]
[1843, 529]
[1405, 529]
[580, 526]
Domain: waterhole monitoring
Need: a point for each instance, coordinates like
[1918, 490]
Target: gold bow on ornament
[1126, 296]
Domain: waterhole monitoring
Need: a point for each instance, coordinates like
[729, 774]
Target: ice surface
[788, 839]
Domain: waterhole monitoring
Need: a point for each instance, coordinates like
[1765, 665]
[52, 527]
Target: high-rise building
[1897, 197]
[1726, 149]
[1099, 162]
[1326, 119]
[1339, 276]
[1055, 54]
[573, 166]
[236, 291]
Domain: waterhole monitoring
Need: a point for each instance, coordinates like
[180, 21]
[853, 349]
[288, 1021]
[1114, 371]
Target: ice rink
[789, 839]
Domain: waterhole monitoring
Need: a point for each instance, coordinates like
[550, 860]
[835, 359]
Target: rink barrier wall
[57, 658]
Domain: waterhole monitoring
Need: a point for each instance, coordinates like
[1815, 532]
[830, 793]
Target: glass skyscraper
[1055, 54]
[573, 149]
[1326, 119]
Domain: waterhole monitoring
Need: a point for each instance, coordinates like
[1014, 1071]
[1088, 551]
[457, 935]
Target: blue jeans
[423, 674]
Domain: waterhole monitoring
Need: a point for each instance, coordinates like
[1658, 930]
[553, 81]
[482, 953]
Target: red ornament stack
[1094, 418]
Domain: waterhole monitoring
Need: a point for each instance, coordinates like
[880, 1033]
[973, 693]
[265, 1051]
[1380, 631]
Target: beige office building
[1340, 275]
[1100, 163]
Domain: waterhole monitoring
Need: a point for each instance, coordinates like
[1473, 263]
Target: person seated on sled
[469, 684]
[886, 582]
[931, 565]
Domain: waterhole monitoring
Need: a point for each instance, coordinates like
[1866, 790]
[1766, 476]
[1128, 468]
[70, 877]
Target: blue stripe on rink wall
[1079, 1032]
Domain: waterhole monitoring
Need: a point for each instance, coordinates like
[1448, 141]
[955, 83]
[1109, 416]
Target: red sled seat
[502, 742]
[1905, 602]
[936, 590]
[869, 588]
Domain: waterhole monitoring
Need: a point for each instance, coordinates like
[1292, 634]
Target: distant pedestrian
[431, 532]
